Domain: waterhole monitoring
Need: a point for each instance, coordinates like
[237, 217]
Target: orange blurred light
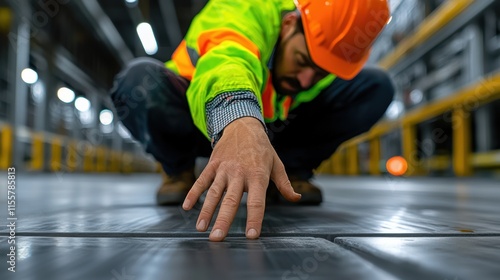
[397, 166]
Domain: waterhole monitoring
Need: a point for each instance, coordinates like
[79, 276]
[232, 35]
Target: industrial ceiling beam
[170, 21]
[105, 29]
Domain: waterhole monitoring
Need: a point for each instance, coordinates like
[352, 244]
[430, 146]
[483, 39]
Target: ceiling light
[29, 76]
[66, 95]
[82, 104]
[106, 117]
[147, 37]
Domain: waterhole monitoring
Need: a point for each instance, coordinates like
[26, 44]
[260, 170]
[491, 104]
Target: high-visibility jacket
[227, 48]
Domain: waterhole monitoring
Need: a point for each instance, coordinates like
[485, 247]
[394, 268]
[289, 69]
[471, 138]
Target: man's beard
[277, 81]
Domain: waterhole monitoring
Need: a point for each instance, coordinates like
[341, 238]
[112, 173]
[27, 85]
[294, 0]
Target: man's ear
[288, 24]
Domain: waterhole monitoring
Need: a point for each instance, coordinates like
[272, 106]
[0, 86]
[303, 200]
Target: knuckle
[214, 192]
[231, 201]
[222, 222]
[282, 183]
[259, 173]
[255, 203]
[238, 171]
[205, 213]
[200, 183]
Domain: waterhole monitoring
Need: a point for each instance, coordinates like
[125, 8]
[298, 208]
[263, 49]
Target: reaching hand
[242, 161]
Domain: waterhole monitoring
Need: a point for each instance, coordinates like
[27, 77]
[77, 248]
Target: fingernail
[217, 233]
[252, 233]
[186, 203]
[201, 225]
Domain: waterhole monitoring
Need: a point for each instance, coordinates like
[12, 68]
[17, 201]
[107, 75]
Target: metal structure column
[20, 48]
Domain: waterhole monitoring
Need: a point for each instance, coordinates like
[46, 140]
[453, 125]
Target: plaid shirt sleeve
[227, 107]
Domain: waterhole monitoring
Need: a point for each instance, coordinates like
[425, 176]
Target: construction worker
[267, 89]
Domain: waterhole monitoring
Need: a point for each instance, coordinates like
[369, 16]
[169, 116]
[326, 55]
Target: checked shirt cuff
[227, 107]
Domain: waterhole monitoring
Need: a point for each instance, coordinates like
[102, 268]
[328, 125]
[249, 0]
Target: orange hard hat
[340, 33]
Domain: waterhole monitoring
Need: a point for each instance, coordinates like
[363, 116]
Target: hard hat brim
[323, 58]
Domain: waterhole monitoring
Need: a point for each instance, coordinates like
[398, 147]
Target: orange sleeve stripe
[268, 99]
[183, 61]
[286, 107]
[212, 38]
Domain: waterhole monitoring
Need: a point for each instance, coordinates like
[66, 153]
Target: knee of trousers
[135, 84]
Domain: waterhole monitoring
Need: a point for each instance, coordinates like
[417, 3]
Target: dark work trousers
[151, 102]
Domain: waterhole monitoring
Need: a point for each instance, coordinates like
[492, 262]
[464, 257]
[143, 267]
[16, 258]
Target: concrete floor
[108, 227]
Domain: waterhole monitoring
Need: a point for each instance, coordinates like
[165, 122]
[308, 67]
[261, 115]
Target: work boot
[174, 188]
[311, 194]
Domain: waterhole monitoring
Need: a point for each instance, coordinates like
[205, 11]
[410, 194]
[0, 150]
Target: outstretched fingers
[279, 177]
[203, 182]
[228, 209]
[214, 195]
[256, 206]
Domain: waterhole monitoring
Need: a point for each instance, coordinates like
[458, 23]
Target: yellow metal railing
[56, 154]
[70, 155]
[437, 20]
[6, 136]
[460, 104]
[37, 150]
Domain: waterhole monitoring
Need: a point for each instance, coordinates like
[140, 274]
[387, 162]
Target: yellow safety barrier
[434, 22]
[352, 160]
[37, 155]
[79, 155]
[410, 153]
[101, 159]
[127, 161]
[486, 160]
[6, 147]
[375, 155]
[460, 104]
[437, 163]
[5, 19]
[115, 161]
[88, 159]
[72, 156]
[56, 155]
[461, 142]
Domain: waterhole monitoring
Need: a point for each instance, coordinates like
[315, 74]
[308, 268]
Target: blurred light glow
[82, 104]
[86, 117]
[147, 37]
[106, 117]
[123, 131]
[131, 1]
[29, 76]
[416, 96]
[395, 109]
[66, 95]
[107, 128]
[397, 166]
[38, 92]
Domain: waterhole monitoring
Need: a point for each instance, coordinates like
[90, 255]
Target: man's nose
[306, 77]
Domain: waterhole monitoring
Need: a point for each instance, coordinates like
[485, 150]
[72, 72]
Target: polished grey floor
[108, 227]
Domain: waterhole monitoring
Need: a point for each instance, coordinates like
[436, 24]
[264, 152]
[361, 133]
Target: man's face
[293, 69]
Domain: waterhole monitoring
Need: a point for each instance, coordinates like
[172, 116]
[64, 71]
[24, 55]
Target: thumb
[280, 179]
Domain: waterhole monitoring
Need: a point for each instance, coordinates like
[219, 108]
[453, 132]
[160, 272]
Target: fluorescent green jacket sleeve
[233, 40]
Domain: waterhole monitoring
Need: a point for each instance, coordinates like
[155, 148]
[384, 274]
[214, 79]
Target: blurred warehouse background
[58, 59]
